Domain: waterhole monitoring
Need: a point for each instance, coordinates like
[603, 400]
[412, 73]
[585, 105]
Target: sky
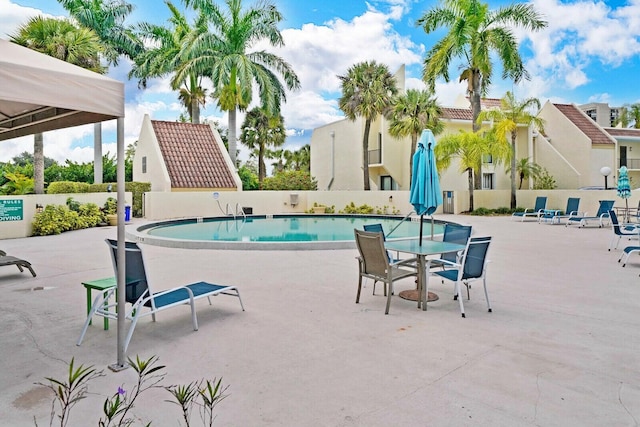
[590, 52]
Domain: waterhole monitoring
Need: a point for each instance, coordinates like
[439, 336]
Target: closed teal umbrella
[624, 189]
[425, 195]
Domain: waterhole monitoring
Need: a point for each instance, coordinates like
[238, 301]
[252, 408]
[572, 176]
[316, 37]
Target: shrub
[290, 180]
[67, 187]
[137, 190]
[248, 178]
[110, 206]
[545, 181]
[351, 208]
[481, 211]
[54, 219]
[90, 214]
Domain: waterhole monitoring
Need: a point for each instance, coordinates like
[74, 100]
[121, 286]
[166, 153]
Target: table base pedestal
[413, 295]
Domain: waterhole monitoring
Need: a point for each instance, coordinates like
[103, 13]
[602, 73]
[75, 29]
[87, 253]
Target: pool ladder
[229, 211]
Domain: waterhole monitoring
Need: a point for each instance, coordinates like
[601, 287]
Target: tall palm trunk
[38, 163]
[262, 170]
[475, 112]
[365, 154]
[513, 170]
[414, 143]
[195, 111]
[97, 153]
[470, 179]
[232, 136]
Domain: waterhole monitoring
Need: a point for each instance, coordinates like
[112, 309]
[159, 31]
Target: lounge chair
[621, 230]
[472, 266]
[556, 216]
[601, 215]
[143, 301]
[374, 263]
[538, 209]
[18, 262]
[626, 253]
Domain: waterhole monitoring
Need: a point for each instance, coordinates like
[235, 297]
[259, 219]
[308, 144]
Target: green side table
[102, 285]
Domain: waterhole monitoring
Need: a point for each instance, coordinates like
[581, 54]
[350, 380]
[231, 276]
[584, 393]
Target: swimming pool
[269, 232]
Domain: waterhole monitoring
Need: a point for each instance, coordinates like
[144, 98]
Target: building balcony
[375, 157]
[630, 163]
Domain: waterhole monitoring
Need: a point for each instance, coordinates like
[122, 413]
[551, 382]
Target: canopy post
[120, 254]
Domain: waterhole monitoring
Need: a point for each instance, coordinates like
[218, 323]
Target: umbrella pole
[431, 227]
[421, 216]
[626, 211]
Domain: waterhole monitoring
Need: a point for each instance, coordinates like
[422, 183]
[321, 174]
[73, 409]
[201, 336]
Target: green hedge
[137, 189]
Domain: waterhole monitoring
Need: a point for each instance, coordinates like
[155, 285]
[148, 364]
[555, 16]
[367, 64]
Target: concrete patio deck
[562, 346]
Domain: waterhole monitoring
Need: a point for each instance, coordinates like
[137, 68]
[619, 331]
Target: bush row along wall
[136, 189]
[30, 202]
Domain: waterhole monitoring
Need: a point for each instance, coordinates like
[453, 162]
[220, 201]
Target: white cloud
[13, 15]
[319, 53]
[580, 34]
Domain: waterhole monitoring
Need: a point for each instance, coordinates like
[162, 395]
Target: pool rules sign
[11, 210]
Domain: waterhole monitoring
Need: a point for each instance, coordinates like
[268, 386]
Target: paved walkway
[560, 348]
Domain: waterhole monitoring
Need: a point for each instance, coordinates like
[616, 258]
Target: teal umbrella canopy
[425, 195]
[624, 187]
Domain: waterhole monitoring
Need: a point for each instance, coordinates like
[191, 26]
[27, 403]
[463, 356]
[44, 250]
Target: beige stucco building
[175, 156]
[572, 147]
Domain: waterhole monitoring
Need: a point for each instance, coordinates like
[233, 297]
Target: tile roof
[466, 113]
[192, 156]
[488, 102]
[629, 132]
[585, 124]
[457, 114]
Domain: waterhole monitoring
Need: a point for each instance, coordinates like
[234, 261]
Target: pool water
[283, 229]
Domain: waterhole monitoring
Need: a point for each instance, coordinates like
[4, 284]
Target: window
[487, 181]
[487, 158]
[144, 164]
[387, 183]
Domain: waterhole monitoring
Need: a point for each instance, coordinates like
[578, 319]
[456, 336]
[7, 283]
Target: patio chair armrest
[412, 262]
[450, 264]
[2, 253]
[168, 291]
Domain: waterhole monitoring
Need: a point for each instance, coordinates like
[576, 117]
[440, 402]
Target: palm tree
[475, 33]
[505, 122]
[224, 55]
[412, 112]
[107, 19]
[469, 148]
[261, 130]
[526, 169]
[63, 40]
[298, 160]
[278, 156]
[167, 56]
[367, 91]
[635, 114]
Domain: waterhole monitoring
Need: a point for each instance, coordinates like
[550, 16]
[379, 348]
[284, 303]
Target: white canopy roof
[39, 93]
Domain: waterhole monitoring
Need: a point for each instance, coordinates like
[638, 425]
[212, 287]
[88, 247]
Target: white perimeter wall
[163, 205]
[15, 229]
